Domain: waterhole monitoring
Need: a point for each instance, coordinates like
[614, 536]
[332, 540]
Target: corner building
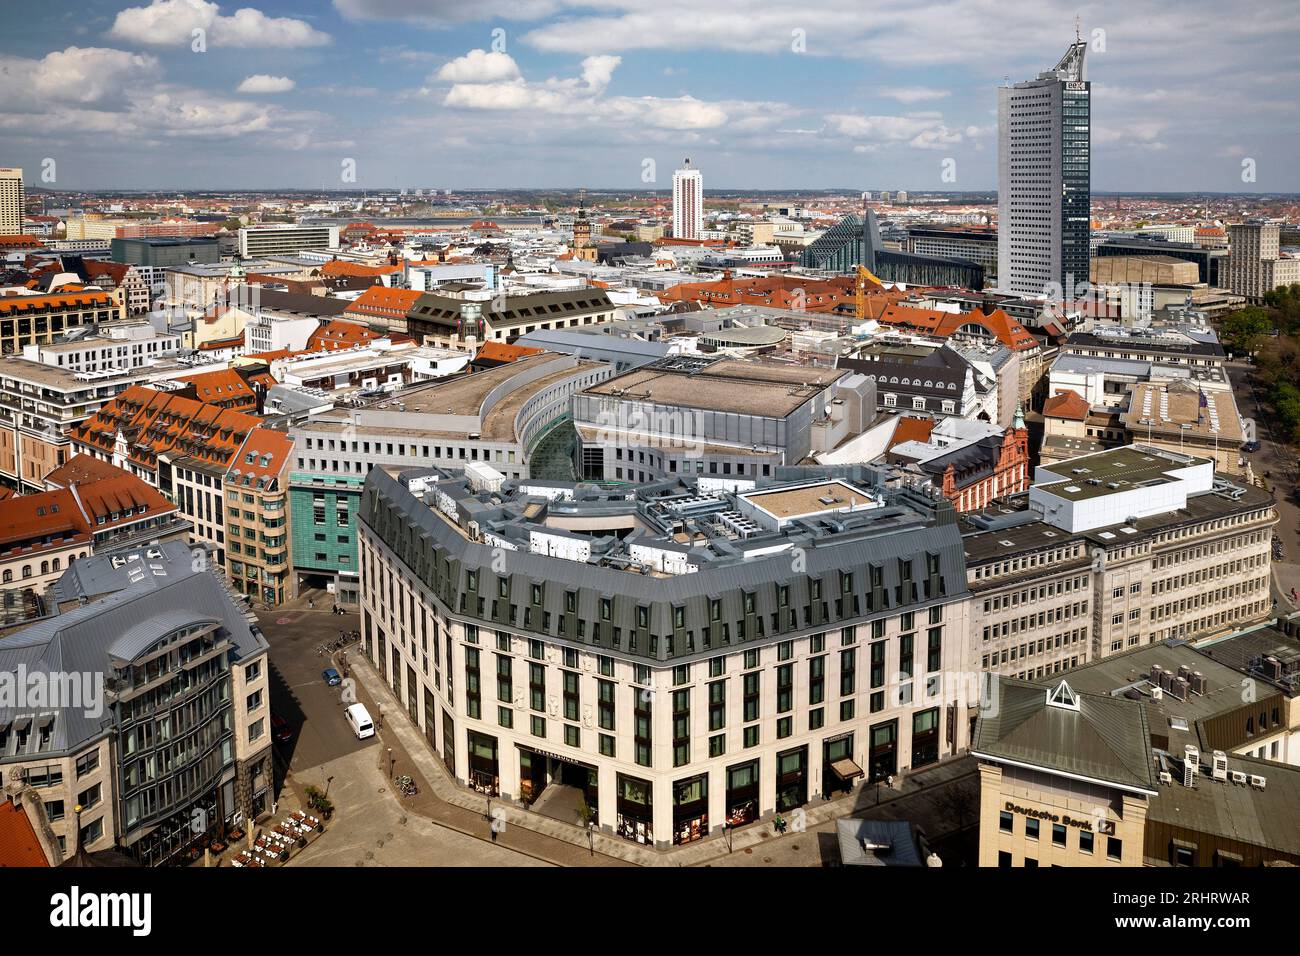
[685, 659]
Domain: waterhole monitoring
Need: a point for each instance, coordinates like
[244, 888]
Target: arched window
[56, 564]
[8, 575]
[27, 570]
[45, 567]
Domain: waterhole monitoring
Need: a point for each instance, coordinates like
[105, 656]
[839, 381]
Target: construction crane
[860, 290]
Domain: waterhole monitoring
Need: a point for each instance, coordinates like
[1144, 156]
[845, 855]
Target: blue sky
[548, 93]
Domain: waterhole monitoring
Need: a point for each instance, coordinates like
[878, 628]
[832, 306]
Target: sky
[760, 94]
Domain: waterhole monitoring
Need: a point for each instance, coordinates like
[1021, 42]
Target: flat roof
[1126, 467]
[795, 502]
[729, 385]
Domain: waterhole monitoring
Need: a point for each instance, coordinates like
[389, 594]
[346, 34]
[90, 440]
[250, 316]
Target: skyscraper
[11, 201]
[688, 202]
[1044, 182]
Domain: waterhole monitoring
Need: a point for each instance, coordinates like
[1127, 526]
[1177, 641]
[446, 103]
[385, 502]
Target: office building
[855, 241]
[167, 646]
[724, 421]
[11, 201]
[974, 244]
[1154, 757]
[43, 319]
[1044, 184]
[1255, 263]
[255, 242]
[688, 202]
[465, 324]
[734, 657]
[1112, 551]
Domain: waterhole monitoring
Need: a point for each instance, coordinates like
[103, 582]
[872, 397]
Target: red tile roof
[263, 456]
[340, 334]
[1066, 404]
[224, 387]
[341, 267]
[502, 352]
[380, 300]
[912, 429]
[10, 304]
[18, 843]
[155, 423]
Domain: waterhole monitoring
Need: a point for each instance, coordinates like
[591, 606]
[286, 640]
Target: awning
[846, 769]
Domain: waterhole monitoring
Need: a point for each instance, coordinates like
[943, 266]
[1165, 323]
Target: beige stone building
[1159, 547]
[1255, 263]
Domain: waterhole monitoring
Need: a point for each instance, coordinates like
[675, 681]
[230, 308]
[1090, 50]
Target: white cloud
[442, 12]
[479, 66]
[574, 96]
[912, 94]
[81, 75]
[264, 83]
[173, 22]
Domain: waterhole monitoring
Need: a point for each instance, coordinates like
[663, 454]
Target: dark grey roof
[140, 600]
[537, 307]
[301, 303]
[898, 835]
[1106, 739]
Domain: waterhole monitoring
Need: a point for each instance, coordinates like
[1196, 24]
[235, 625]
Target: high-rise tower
[11, 201]
[1044, 181]
[688, 202]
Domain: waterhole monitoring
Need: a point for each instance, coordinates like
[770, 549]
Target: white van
[359, 719]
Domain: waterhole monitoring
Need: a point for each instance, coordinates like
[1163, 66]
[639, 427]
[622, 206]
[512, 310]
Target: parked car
[280, 729]
[1250, 446]
[332, 677]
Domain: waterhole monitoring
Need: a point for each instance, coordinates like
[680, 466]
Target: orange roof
[263, 456]
[341, 267]
[501, 352]
[18, 843]
[10, 304]
[110, 497]
[22, 239]
[222, 387]
[912, 429]
[778, 291]
[380, 300]
[1000, 325]
[80, 468]
[339, 334]
[272, 355]
[1067, 404]
[155, 423]
[47, 513]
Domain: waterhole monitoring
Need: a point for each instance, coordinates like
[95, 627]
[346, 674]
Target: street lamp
[328, 781]
[390, 763]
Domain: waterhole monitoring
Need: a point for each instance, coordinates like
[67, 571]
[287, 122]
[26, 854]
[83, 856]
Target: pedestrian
[492, 826]
[311, 603]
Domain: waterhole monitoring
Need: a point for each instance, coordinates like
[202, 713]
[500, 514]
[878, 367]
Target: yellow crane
[860, 290]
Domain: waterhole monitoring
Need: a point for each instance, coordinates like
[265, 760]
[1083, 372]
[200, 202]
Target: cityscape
[407, 460]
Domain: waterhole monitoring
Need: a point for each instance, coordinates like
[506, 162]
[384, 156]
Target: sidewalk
[567, 844]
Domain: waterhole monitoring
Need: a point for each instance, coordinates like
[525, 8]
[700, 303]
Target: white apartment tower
[688, 202]
[1044, 183]
[11, 201]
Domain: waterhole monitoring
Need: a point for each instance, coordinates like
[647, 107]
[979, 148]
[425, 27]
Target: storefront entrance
[484, 771]
[742, 794]
[839, 769]
[792, 779]
[883, 760]
[691, 809]
[635, 819]
[558, 787]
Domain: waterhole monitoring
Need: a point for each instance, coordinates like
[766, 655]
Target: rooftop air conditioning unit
[1157, 693]
[1219, 770]
[1257, 781]
[1238, 777]
[1191, 765]
[1166, 777]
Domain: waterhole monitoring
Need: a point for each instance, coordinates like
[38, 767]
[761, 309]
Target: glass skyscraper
[1044, 180]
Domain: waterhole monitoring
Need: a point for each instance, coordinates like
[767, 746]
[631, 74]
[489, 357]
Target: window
[1006, 822]
[1004, 858]
[537, 726]
[1085, 841]
[256, 729]
[1058, 834]
[1031, 829]
[1114, 848]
